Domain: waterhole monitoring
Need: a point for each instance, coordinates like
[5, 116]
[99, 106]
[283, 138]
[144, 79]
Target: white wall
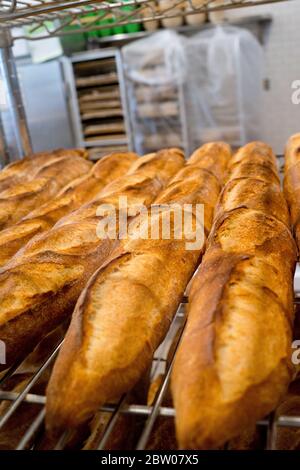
[281, 118]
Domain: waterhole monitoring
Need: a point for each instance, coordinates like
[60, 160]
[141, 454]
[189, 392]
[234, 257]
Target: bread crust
[291, 183]
[22, 198]
[40, 285]
[233, 364]
[127, 306]
[73, 195]
[24, 170]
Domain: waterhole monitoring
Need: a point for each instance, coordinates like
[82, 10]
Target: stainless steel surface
[120, 71]
[101, 143]
[45, 101]
[184, 122]
[145, 435]
[14, 126]
[4, 153]
[41, 12]
[72, 102]
[35, 425]
[271, 433]
[111, 424]
[149, 412]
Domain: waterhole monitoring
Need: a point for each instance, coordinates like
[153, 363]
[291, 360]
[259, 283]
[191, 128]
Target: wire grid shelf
[45, 18]
[162, 361]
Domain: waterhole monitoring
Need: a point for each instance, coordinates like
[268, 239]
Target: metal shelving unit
[94, 125]
[46, 18]
[42, 15]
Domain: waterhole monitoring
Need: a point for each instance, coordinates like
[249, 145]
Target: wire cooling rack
[162, 364]
[45, 18]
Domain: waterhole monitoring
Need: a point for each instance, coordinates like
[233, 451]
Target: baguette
[76, 193]
[24, 170]
[126, 308]
[40, 285]
[292, 183]
[22, 198]
[234, 362]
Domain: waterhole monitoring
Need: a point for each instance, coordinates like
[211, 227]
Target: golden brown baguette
[253, 193]
[128, 305]
[249, 168]
[22, 198]
[254, 153]
[76, 193]
[24, 170]
[292, 182]
[234, 362]
[40, 285]
[205, 157]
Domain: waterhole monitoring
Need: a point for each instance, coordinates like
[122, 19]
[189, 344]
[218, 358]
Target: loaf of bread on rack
[22, 198]
[233, 364]
[26, 169]
[41, 283]
[76, 193]
[292, 183]
[132, 299]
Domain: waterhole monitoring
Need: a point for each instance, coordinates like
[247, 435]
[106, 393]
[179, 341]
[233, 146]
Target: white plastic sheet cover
[184, 91]
[224, 86]
[155, 70]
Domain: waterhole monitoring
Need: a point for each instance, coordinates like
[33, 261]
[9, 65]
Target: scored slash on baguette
[26, 169]
[71, 197]
[20, 199]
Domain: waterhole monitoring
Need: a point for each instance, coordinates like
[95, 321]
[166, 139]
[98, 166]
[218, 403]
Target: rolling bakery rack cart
[51, 18]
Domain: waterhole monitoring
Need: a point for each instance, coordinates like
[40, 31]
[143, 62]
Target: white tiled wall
[281, 118]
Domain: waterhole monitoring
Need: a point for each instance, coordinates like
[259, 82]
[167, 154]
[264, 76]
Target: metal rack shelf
[57, 17]
[162, 362]
[261, 21]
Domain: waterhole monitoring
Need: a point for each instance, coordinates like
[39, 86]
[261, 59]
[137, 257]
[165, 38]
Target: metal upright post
[11, 91]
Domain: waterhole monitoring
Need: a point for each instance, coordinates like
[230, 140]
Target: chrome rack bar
[28, 387]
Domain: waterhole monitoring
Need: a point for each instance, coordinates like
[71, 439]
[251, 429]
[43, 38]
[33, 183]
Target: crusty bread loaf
[131, 301]
[24, 170]
[22, 198]
[292, 182]
[253, 193]
[234, 362]
[205, 157]
[40, 285]
[254, 153]
[76, 193]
